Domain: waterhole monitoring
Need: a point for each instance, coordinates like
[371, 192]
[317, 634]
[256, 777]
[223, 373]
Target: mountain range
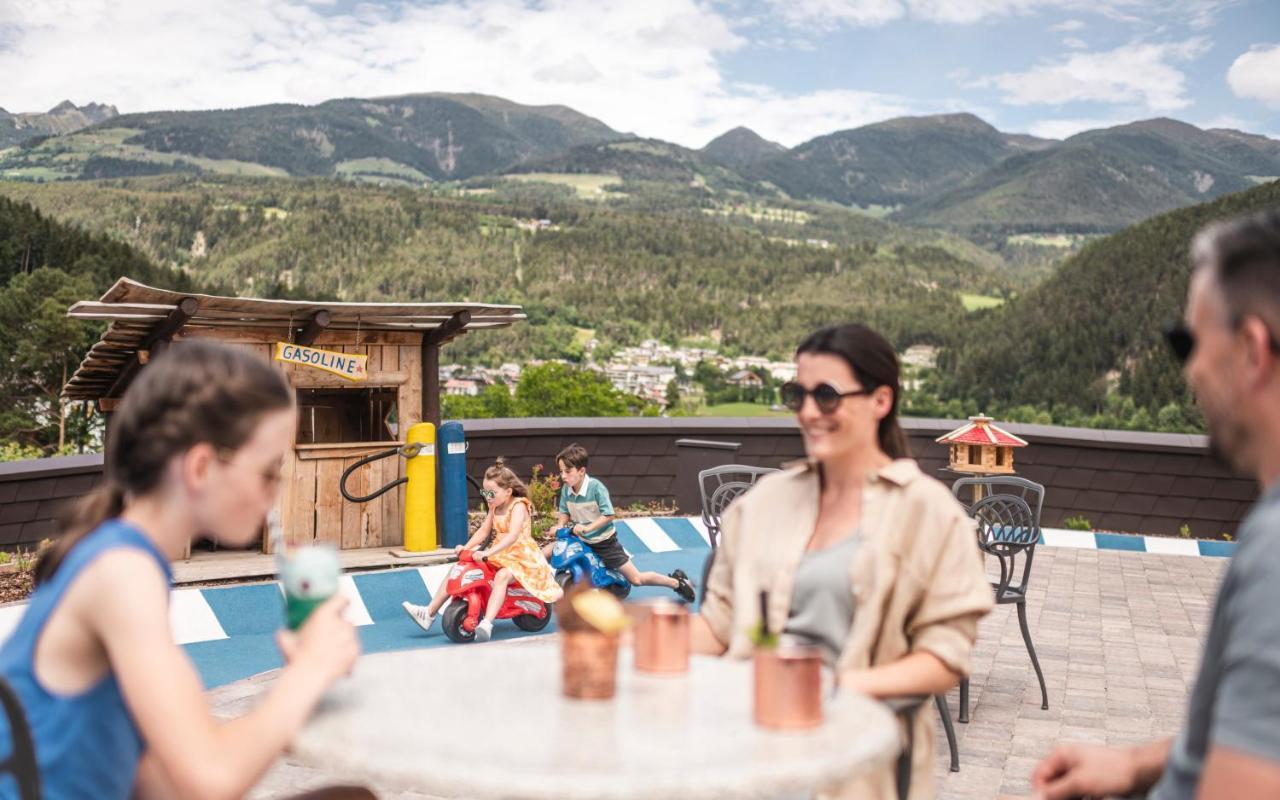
[65, 117]
[951, 171]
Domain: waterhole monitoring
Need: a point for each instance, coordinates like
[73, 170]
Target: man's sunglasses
[1180, 340]
[825, 396]
[1183, 342]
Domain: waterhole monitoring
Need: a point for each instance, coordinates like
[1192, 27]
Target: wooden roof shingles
[137, 311]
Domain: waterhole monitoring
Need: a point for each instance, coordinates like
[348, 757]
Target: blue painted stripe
[1217, 549]
[383, 592]
[682, 533]
[247, 610]
[633, 544]
[1115, 541]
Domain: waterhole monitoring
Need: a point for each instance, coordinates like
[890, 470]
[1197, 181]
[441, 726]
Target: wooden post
[431, 363]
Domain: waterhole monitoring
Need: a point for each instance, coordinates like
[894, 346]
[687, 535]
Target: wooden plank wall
[311, 507]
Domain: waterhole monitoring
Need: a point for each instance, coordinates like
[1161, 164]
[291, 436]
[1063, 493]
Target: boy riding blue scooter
[574, 561]
[586, 511]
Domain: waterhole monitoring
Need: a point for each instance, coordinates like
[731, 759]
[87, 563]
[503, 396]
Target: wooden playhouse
[364, 373]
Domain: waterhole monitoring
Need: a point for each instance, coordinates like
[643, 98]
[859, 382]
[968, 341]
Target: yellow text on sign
[346, 365]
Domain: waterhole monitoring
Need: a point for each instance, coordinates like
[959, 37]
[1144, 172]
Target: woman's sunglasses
[488, 494]
[825, 396]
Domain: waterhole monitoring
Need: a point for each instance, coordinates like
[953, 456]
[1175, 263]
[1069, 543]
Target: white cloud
[650, 67]
[1075, 44]
[832, 14]
[829, 15]
[1256, 74]
[1139, 73]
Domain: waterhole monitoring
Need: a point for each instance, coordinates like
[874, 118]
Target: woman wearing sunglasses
[856, 550]
[515, 553]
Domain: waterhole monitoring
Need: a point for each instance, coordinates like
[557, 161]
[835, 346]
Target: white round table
[489, 721]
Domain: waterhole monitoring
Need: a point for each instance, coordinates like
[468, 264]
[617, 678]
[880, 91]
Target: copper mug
[589, 664]
[662, 638]
[788, 686]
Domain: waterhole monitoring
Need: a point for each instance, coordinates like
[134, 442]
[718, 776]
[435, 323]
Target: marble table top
[489, 721]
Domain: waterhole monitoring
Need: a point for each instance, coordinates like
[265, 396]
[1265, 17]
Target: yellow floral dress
[524, 557]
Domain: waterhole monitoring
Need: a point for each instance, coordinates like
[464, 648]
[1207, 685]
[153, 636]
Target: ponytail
[95, 508]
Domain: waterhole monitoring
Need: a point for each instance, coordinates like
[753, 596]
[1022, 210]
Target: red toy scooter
[470, 584]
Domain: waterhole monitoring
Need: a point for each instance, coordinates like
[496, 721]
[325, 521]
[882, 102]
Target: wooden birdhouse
[981, 447]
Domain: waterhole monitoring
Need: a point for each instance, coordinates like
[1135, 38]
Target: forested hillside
[1088, 339]
[45, 266]
[624, 275]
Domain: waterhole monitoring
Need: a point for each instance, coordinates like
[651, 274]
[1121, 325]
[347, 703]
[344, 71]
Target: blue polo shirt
[587, 506]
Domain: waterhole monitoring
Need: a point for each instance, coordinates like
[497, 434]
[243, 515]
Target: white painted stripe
[1171, 547]
[191, 619]
[9, 618]
[653, 536]
[1057, 537]
[433, 576]
[356, 612]
[701, 528]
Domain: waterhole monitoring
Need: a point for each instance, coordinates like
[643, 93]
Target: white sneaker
[419, 615]
[484, 631]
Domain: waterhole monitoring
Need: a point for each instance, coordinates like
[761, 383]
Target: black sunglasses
[1183, 342]
[825, 396]
[1180, 340]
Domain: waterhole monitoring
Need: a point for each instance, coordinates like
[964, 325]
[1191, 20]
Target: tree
[558, 390]
[40, 348]
[673, 394]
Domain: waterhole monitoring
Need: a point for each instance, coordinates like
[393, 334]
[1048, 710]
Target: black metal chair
[723, 495]
[1009, 529]
[712, 480]
[21, 762]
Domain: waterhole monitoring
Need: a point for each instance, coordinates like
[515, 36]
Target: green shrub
[1077, 523]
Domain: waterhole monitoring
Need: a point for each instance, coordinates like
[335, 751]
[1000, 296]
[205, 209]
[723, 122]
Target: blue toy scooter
[573, 560]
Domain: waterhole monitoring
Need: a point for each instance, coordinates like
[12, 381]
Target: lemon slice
[601, 610]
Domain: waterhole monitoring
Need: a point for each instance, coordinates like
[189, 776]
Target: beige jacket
[918, 583]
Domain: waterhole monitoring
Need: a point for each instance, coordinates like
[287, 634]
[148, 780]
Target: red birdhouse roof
[981, 430]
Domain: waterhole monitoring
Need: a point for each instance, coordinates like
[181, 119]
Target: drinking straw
[764, 615]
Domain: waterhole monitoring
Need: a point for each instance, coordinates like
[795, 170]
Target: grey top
[822, 601]
[1236, 699]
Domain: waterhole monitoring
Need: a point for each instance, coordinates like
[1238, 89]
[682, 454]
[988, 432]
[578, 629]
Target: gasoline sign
[345, 365]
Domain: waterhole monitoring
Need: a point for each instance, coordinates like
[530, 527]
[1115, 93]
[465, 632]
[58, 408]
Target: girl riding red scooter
[470, 586]
[494, 580]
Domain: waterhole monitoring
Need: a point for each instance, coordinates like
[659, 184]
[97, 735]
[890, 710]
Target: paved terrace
[1118, 634]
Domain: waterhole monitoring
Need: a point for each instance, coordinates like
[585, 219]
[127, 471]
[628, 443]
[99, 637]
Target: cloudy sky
[683, 70]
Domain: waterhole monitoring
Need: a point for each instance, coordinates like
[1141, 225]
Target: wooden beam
[318, 322]
[448, 329]
[155, 343]
[431, 364]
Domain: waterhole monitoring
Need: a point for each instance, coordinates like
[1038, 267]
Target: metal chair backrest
[1007, 529]
[1030, 491]
[710, 481]
[21, 762]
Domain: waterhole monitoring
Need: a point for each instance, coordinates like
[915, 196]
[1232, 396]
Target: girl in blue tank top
[115, 707]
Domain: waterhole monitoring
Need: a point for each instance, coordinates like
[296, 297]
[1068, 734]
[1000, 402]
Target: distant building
[462, 386]
[745, 379]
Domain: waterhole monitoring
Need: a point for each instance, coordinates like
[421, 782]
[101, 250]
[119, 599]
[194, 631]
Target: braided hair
[196, 392]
